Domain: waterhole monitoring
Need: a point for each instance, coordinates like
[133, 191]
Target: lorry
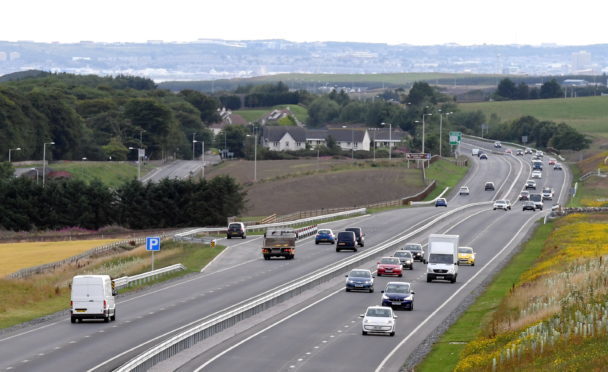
[442, 257]
[279, 243]
[92, 298]
[475, 152]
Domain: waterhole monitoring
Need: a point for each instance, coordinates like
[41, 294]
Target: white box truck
[92, 298]
[442, 257]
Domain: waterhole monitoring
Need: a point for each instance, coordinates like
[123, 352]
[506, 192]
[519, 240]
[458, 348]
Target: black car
[358, 233]
[528, 206]
[489, 186]
[483, 156]
[416, 250]
[236, 229]
[406, 258]
[346, 240]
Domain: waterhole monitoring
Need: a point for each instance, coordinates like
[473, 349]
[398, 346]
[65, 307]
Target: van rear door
[88, 296]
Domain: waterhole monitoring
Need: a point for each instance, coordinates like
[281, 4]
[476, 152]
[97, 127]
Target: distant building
[575, 83]
[581, 61]
[283, 138]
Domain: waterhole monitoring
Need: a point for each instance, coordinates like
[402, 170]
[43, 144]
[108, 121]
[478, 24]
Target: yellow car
[466, 256]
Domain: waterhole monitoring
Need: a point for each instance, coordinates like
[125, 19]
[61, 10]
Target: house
[350, 138]
[283, 138]
[316, 137]
[382, 137]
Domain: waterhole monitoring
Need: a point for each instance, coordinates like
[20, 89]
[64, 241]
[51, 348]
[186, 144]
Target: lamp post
[203, 157]
[44, 160]
[9, 153]
[352, 142]
[35, 169]
[441, 128]
[423, 116]
[390, 139]
[138, 163]
[193, 142]
[255, 154]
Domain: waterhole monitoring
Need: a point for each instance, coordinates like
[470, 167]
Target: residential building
[282, 138]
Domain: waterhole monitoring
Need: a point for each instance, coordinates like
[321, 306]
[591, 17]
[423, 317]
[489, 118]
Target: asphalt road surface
[324, 335]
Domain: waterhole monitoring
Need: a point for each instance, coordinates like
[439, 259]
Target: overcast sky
[417, 22]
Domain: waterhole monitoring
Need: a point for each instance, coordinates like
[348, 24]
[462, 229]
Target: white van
[92, 298]
[475, 152]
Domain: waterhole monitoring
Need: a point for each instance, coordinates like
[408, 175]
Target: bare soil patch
[331, 190]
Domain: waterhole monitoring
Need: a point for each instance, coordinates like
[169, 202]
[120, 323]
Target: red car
[552, 161]
[389, 266]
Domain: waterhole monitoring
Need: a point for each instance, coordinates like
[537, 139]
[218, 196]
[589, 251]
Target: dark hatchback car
[358, 234]
[416, 250]
[406, 258]
[398, 294]
[346, 240]
[236, 229]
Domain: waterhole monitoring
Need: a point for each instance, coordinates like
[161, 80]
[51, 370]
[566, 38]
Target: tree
[551, 89]
[208, 106]
[506, 89]
[420, 93]
[322, 110]
[523, 91]
[154, 118]
[6, 171]
[115, 150]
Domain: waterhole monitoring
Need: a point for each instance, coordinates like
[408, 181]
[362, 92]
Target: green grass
[589, 115]
[112, 174]
[446, 173]
[256, 114]
[445, 353]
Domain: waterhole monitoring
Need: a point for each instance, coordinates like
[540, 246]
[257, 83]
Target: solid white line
[224, 251]
[379, 368]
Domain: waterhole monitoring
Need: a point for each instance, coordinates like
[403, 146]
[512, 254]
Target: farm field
[589, 115]
[255, 114]
[16, 256]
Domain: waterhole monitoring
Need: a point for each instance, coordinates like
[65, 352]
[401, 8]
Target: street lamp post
[441, 128]
[9, 153]
[138, 163]
[35, 169]
[193, 142]
[44, 160]
[390, 139]
[255, 155]
[423, 116]
[352, 142]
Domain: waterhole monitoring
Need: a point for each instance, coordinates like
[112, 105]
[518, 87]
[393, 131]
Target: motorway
[323, 335]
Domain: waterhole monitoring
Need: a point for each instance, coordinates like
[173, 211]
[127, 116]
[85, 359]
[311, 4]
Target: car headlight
[384, 297]
[409, 298]
[408, 261]
[429, 270]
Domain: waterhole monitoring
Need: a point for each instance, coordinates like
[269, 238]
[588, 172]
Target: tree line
[73, 203]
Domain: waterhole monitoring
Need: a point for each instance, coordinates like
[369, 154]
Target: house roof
[316, 134]
[347, 134]
[382, 134]
[275, 134]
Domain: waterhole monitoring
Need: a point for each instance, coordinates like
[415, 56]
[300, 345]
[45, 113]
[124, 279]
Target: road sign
[455, 138]
[141, 153]
[153, 244]
[524, 139]
[417, 156]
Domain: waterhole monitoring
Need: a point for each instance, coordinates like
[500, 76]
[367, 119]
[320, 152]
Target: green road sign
[455, 138]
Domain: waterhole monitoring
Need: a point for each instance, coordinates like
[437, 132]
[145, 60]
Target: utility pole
[193, 142]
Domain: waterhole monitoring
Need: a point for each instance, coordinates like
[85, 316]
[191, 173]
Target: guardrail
[226, 318]
[351, 212]
[127, 281]
[598, 173]
[491, 140]
[428, 202]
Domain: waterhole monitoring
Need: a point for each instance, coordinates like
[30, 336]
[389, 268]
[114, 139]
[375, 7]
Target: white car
[464, 190]
[378, 319]
[502, 204]
[537, 174]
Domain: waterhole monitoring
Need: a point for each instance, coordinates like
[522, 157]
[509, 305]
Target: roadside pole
[153, 245]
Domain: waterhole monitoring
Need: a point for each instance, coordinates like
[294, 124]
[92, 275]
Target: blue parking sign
[152, 244]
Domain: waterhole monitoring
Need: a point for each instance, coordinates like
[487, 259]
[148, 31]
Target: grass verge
[40, 295]
[446, 174]
[446, 352]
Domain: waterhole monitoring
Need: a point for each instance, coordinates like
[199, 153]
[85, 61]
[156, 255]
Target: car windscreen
[412, 247]
[357, 231]
[380, 313]
[324, 232]
[359, 274]
[405, 254]
[346, 236]
[234, 226]
[536, 197]
[390, 261]
[465, 250]
[397, 288]
[438, 258]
